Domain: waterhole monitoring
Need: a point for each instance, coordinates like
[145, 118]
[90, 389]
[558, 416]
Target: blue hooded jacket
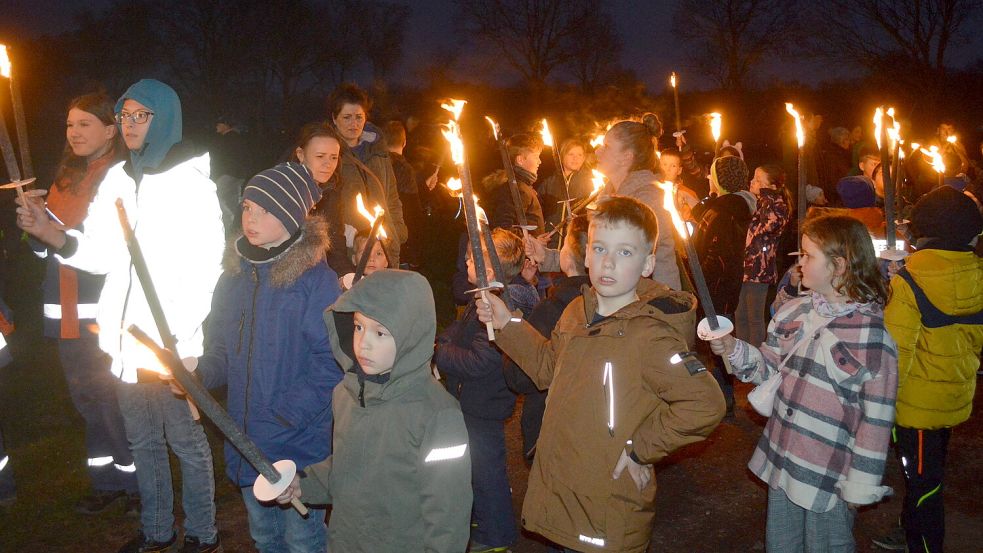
[165, 125]
[265, 339]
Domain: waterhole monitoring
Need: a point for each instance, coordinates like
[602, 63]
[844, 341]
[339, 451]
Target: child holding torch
[625, 389]
[267, 343]
[824, 447]
[399, 477]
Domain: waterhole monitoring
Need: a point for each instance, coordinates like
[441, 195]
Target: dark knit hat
[856, 192]
[948, 214]
[732, 173]
[287, 191]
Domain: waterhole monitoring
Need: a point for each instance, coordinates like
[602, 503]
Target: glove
[640, 474]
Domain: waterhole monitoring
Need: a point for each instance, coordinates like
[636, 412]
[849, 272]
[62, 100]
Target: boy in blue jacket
[473, 368]
[266, 340]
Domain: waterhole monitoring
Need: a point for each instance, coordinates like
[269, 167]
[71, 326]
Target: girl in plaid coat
[823, 450]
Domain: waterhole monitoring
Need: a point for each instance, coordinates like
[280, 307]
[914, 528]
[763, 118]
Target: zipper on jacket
[361, 392]
[242, 322]
[254, 276]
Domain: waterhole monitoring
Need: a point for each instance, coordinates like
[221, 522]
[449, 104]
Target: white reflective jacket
[178, 224]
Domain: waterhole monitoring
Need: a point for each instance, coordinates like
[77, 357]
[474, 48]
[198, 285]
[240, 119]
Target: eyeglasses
[137, 117]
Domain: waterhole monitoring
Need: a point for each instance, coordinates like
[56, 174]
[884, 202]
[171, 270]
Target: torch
[881, 125]
[496, 263]
[6, 70]
[452, 133]
[273, 479]
[598, 180]
[675, 97]
[520, 212]
[800, 137]
[713, 326]
[937, 163]
[715, 122]
[377, 233]
[549, 143]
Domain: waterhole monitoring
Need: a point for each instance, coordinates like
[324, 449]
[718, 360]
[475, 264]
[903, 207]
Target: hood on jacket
[371, 142]
[165, 126]
[287, 265]
[402, 301]
[678, 309]
[950, 279]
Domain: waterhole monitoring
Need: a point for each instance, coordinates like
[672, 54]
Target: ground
[707, 500]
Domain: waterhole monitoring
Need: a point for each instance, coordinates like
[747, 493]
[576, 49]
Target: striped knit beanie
[287, 191]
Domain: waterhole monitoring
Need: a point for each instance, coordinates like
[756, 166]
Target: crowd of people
[322, 330]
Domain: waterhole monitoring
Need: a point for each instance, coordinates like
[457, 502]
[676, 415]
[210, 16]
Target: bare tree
[594, 49]
[534, 36]
[728, 39]
[917, 33]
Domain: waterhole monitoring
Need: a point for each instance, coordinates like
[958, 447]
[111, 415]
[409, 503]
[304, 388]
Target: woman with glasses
[365, 166]
[174, 212]
[93, 145]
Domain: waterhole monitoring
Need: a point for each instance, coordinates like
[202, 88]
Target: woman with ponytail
[71, 299]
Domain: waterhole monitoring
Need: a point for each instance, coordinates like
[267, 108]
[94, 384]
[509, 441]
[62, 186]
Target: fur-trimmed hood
[307, 251]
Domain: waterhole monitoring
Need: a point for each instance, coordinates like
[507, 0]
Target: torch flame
[494, 126]
[597, 141]
[936, 158]
[669, 205]
[951, 139]
[800, 135]
[598, 180]
[360, 206]
[454, 186]
[878, 117]
[454, 106]
[672, 79]
[894, 133]
[5, 65]
[547, 136]
[915, 146]
[452, 133]
[715, 122]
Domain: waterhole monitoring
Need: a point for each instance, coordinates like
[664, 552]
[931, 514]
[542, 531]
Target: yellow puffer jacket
[937, 366]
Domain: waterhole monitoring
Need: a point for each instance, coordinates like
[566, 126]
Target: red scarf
[71, 206]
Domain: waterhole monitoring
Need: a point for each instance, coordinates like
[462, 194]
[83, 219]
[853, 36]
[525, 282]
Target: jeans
[280, 529]
[155, 418]
[793, 529]
[923, 454]
[749, 323]
[93, 390]
[493, 516]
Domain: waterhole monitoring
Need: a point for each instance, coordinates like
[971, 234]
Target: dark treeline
[270, 66]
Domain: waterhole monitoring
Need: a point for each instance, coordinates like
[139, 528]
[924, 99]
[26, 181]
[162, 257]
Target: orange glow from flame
[547, 135]
[360, 206]
[800, 135]
[670, 205]
[454, 106]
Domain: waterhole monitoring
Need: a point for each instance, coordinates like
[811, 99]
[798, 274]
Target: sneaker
[141, 544]
[132, 506]
[893, 541]
[98, 501]
[194, 545]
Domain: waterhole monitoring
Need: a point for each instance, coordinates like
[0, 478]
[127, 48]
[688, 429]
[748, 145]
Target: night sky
[648, 45]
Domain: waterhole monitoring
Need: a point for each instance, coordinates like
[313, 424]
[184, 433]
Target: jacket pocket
[846, 372]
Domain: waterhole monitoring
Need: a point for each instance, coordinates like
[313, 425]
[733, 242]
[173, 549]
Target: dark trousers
[533, 407]
[7, 489]
[93, 390]
[923, 454]
[492, 511]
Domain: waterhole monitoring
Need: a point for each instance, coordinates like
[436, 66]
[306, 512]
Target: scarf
[71, 207]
